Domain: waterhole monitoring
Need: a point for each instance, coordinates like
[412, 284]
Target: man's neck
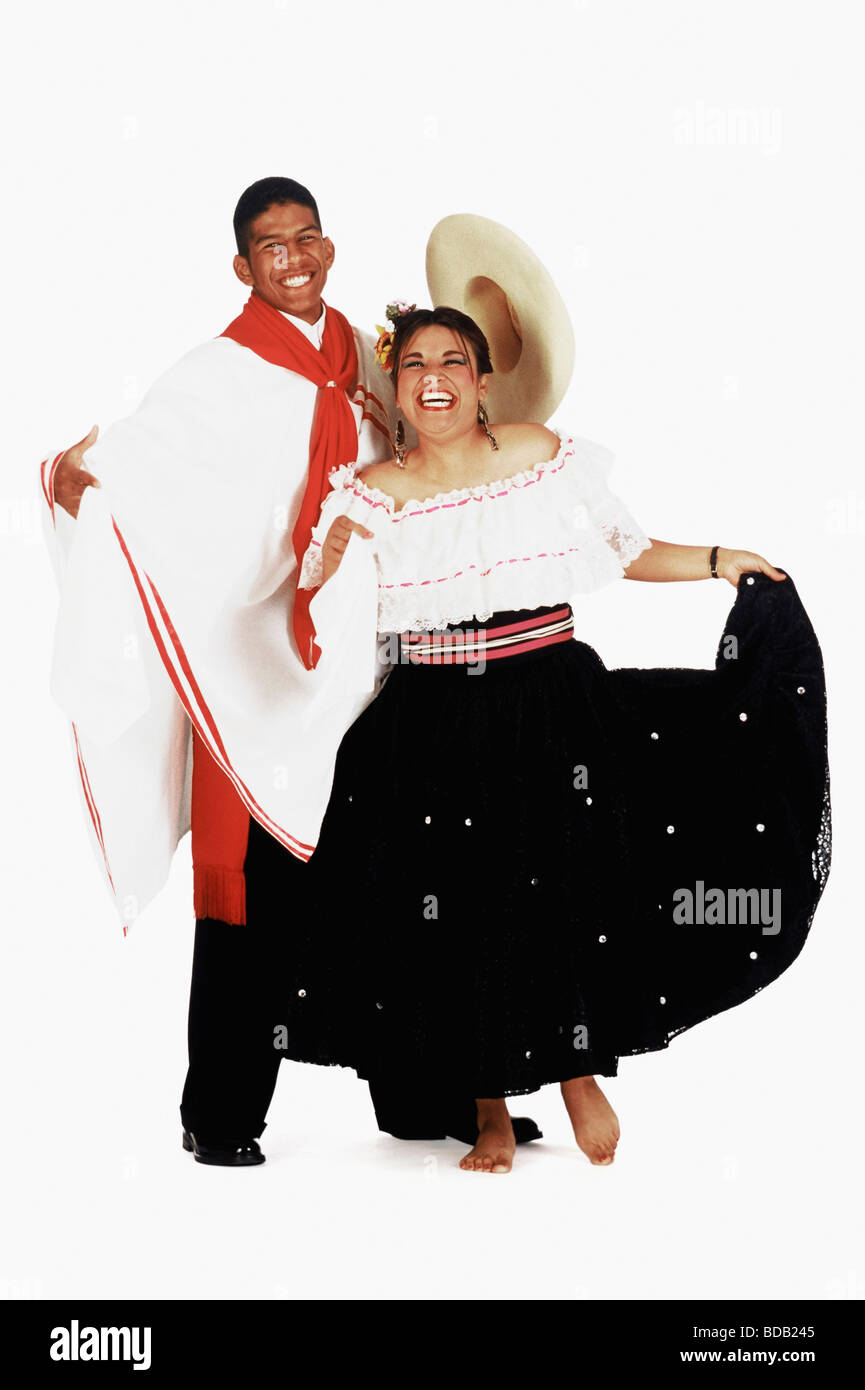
[311, 317]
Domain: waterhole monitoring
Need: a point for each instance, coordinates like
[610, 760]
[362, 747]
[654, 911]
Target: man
[214, 485]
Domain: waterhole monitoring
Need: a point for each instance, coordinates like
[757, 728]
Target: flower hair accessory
[384, 347]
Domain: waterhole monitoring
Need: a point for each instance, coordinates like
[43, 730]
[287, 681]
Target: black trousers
[245, 980]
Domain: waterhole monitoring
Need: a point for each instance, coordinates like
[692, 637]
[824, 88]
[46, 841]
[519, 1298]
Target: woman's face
[438, 388]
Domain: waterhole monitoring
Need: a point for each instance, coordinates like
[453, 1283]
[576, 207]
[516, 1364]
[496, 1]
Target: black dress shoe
[525, 1130]
[461, 1124]
[428, 1113]
[465, 1128]
[223, 1153]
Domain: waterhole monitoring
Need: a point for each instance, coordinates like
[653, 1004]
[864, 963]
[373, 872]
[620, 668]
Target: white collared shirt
[312, 331]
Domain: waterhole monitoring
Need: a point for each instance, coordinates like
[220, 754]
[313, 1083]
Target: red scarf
[333, 440]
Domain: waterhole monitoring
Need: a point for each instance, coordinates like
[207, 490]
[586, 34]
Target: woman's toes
[592, 1116]
[493, 1153]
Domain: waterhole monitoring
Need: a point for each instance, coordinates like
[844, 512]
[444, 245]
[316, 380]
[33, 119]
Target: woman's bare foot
[596, 1128]
[494, 1150]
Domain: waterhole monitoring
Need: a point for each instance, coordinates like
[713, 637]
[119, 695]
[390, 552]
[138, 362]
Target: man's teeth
[293, 282]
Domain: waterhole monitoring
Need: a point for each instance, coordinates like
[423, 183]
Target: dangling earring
[484, 422]
[400, 443]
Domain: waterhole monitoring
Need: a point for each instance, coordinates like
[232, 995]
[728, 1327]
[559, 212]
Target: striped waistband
[460, 646]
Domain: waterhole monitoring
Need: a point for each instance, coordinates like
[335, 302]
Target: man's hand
[335, 543]
[71, 478]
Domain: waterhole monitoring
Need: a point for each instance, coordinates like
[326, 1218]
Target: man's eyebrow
[277, 236]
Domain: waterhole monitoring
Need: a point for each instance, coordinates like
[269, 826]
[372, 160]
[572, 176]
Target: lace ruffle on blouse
[528, 541]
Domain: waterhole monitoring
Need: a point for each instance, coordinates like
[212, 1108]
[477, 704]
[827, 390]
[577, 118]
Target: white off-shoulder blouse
[529, 541]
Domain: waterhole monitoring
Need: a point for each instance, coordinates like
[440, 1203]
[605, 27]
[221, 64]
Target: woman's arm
[668, 561]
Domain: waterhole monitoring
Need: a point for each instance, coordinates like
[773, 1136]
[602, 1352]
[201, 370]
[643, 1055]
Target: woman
[506, 918]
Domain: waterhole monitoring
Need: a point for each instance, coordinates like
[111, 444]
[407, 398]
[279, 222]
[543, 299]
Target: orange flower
[384, 347]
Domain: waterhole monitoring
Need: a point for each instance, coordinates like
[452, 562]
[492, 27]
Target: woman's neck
[450, 462]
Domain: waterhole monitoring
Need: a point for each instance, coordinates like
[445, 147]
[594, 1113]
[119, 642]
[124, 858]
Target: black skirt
[527, 873]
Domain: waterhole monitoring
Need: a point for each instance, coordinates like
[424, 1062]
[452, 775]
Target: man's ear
[242, 270]
[329, 251]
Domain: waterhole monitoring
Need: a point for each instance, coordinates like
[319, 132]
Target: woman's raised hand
[336, 541]
[732, 564]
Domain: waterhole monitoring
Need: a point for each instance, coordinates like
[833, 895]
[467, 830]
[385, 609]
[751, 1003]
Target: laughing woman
[521, 818]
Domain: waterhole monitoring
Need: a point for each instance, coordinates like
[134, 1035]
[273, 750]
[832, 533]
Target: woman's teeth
[294, 282]
[436, 400]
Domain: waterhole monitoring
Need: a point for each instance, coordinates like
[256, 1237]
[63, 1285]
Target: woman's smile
[435, 397]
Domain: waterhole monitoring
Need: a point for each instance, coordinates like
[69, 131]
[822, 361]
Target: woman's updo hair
[464, 327]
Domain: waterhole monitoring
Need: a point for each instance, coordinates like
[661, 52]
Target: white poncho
[176, 589]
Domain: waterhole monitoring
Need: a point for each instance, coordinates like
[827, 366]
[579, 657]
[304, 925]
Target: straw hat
[482, 268]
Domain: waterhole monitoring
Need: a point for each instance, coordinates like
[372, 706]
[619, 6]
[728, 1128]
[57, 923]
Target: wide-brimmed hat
[484, 269]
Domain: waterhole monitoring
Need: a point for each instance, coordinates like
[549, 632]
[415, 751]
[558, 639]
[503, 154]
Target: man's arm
[71, 477]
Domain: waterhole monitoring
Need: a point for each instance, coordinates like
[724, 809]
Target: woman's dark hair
[465, 328]
[260, 196]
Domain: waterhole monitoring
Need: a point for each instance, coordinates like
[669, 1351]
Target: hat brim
[484, 269]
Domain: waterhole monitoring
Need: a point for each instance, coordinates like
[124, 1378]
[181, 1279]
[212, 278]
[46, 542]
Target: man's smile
[294, 282]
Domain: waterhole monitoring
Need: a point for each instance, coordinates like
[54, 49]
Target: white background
[691, 175]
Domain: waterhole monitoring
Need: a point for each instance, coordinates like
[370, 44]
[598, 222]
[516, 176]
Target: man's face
[288, 260]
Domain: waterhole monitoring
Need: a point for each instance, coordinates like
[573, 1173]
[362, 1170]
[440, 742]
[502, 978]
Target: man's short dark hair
[260, 196]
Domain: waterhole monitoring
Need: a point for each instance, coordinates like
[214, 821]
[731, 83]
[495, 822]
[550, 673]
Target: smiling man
[186, 658]
[282, 253]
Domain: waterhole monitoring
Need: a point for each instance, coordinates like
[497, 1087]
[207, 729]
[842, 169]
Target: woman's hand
[335, 543]
[732, 564]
